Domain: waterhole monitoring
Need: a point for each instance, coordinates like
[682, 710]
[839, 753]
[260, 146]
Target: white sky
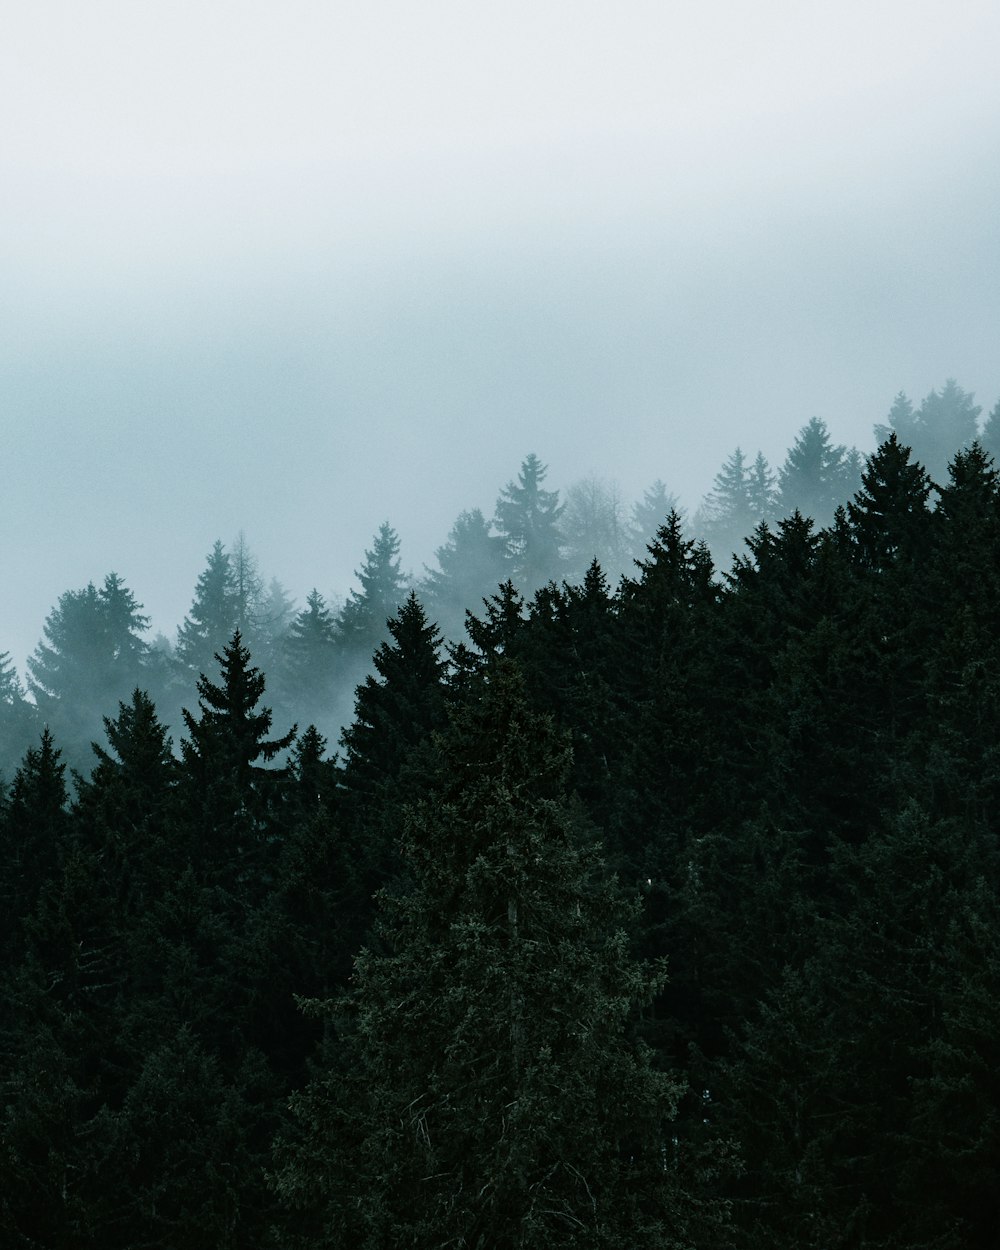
[297, 268]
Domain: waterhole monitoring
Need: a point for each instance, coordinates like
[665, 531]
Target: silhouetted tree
[229, 794]
[504, 1106]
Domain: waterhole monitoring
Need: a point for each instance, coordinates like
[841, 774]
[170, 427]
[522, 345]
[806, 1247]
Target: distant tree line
[663, 913]
[95, 648]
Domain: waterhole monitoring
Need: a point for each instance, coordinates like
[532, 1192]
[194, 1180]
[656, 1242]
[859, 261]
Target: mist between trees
[96, 648]
[652, 897]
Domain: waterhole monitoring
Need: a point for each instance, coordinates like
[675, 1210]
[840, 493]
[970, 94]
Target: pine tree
[760, 488]
[489, 1096]
[33, 835]
[93, 657]
[498, 630]
[306, 673]
[734, 507]
[527, 518]
[396, 710]
[397, 707]
[901, 421]
[213, 616]
[275, 616]
[17, 720]
[361, 625]
[248, 586]
[815, 476]
[229, 795]
[889, 516]
[649, 513]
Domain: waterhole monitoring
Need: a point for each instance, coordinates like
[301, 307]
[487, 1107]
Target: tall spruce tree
[361, 625]
[490, 1096]
[527, 518]
[736, 505]
[306, 672]
[17, 720]
[816, 476]
[229, 793]
[649, 513]
[396, 710]
[889, 516]
[94, 655]
[213, 616]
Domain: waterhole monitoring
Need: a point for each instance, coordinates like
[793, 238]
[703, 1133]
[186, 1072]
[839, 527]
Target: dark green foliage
[570, 636]
[321, 901]
[398, 706]
[231, 731]
[493, 1098]
[793, 765]
[34, 828]
[846, 1079]
[229, 792]
[888, 516]
[396, 710]
[499, 630]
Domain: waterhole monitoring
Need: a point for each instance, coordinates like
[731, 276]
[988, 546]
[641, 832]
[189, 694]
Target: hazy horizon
[299, 270]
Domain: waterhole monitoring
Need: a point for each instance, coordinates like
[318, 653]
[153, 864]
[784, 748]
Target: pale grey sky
[297, 268]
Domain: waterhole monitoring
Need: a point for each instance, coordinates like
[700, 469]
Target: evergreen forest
[627, 881]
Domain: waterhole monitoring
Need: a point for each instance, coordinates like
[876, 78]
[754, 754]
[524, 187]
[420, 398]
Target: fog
[296, 270]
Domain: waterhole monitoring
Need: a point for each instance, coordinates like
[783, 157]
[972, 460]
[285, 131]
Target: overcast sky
[299, 268]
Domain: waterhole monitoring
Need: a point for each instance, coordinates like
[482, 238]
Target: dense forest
[625, 881]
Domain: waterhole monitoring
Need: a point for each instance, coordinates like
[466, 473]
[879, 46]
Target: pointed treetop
[816, 475]
[229, 726]
[889, 514]
[213, 615]
[362, 621]
[527, 517]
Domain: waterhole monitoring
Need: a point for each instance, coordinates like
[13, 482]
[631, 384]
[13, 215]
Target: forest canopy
[623, 881]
